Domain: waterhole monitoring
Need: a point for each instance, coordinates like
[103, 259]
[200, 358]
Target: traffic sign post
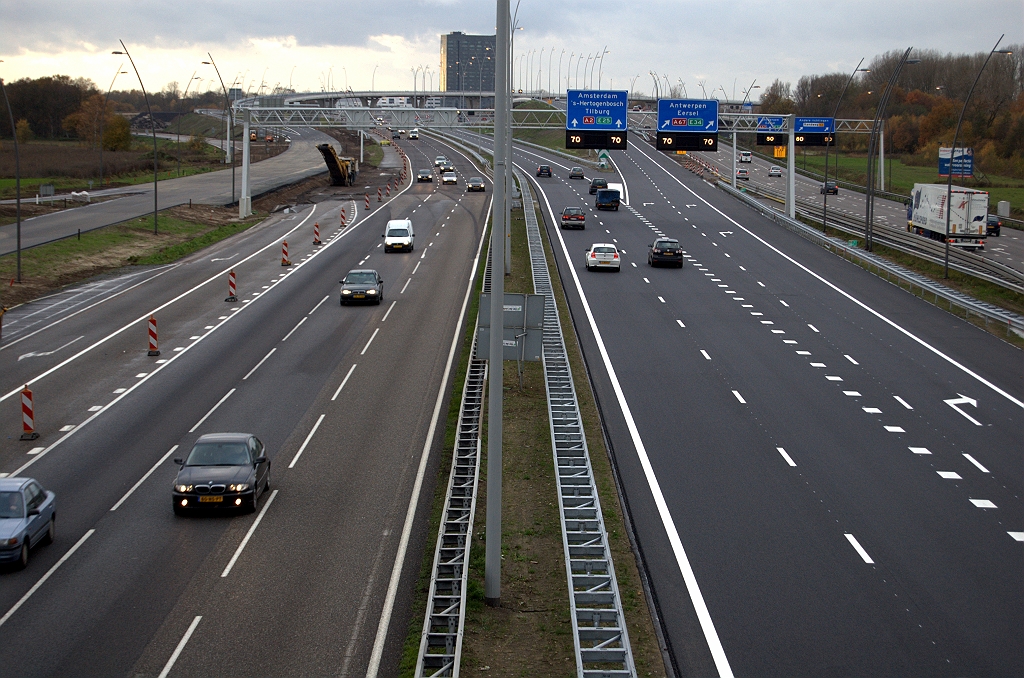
[596, 119]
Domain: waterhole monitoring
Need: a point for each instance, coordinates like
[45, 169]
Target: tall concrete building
[467, 62]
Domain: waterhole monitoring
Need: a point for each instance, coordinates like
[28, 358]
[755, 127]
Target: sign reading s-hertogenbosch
[596, 109]
[814, 125]
[687, 115]
[771, 123]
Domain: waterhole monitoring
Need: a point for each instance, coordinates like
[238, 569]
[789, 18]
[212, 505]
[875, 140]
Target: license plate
[358, 296]
[207, 499]
[604, 262]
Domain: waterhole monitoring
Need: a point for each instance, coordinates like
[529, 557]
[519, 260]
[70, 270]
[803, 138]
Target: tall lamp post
[103, 115]
[600, 69]
[558, 83]
[952, 151]
[17, 177]
[152, 121]
[180, 102]
[824, 204]
[231, 121]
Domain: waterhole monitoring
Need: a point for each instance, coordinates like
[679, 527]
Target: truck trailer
[968, 214]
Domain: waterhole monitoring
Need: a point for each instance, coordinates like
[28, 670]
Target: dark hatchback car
[665, 251]
[993, 225]
[475, 184]
[425, 175]
[544, 171]
[223, 471]
[574, 217]
[27, 518]
[829, 187]
[597, 183]
[576, 173]
[446, 166]
[362, 284]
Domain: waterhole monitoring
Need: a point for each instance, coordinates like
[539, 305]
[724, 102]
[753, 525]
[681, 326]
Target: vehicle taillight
[593, 256]
[615, 256]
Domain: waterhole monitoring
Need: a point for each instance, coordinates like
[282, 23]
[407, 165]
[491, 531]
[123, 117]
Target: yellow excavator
[343, 170]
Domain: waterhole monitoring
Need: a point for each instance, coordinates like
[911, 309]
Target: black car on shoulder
[544, 170]
[597, 183]
[223, 471]
[830, 187]
[362, 285]
[665, 251]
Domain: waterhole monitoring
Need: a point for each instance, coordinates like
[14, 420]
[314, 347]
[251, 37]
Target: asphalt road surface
[346, 399]
[824, 472]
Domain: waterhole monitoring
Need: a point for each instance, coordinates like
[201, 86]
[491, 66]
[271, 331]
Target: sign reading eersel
[688, 115]
[596, 109]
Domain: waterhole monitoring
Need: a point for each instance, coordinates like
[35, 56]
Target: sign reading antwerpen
[688, 115]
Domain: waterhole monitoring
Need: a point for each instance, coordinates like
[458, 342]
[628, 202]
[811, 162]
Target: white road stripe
[405, 285]
[318, 305]
[294, 328]
[42, 580]
[860, 549]
[903, 402]
[975, 462]
[212, 409]
[680, 323]
[143, 478]
[372, 337]
[851, 359]
[306, 441]
[739, 397]
[258, 364]
[248, 535]
[181, 646]
[343, 382]
[389, 310]
[789, 459]
[705, 354]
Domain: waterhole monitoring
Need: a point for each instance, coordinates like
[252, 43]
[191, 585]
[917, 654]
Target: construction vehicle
[343, 170]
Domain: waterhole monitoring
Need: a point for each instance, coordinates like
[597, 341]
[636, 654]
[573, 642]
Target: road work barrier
[388, 194]
[316, 234]
[154, 346]
[343, 217]
[28, 415]
[367, 206]
[285, 261]
[232, 290]
[379, 198]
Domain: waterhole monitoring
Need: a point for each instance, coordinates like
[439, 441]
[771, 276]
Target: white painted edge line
[907, 333]
[739, 397]
[372, 337]
[683, 562]
[976, 463]
[1019, 536]
[294, 328]
[389, 309]
[42, 580]
[705, 354]
[318, 305]
[344, 381]
[403, 544]
[212, 409]
[143, 478]
[181, 646]
[305, 442]
[258, 364]
[248, 535]
[785, 455]
[860, 549]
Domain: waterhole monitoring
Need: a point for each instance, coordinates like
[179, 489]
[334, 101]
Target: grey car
[576, 173]
[362, 284]
[223, 471]
[27, 517]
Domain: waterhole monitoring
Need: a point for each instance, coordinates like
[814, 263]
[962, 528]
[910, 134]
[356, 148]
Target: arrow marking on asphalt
[724, 233]
[963, 400]
[42, 353]
[225, 258]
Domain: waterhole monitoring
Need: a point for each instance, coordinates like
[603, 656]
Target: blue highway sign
[596, 109]
[814, 125]
[770, 123]
[688, 115]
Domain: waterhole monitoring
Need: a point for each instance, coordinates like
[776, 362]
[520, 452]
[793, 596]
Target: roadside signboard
[963, 162]
[771, 123]
[814, 125]
[688, 115]
[596, 110]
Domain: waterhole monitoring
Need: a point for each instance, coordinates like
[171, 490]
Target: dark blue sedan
[27, 517]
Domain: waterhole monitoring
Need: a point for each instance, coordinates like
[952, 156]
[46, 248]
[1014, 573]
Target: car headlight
[346, 291]
[657, 251]
[239, 487]
[183, 488]
[371, 291]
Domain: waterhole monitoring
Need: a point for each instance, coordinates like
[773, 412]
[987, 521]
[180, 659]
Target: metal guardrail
[599, 626]
[440, 651]
[892, 272]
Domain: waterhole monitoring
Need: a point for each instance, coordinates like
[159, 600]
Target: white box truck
[968, 214]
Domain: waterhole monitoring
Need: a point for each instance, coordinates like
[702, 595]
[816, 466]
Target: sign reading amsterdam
[596, 119]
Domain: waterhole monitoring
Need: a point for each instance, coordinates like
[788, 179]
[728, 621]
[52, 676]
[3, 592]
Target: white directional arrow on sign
[724, 233]
[665, 124]
[963, 400]
[618, 123]
[574, 123]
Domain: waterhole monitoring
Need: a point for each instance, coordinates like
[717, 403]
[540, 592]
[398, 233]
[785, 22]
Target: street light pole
[229, 109]
[103, 115]
[180, 102]
[952, 150]
[152, 121]
[17, 178]
[600, 69]
[824, 206]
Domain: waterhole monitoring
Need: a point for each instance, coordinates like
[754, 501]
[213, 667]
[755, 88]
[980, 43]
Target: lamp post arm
[17, 175]
[152, 121]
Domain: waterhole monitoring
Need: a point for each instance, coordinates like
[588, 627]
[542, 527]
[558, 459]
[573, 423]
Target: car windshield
[424, 173]
[544, 167]
[577, 170]
[605, 250]
[476, 180]
[600, 182]
[360, 279]
[218, 454]
[11, 505]
[398, 233]
[572, 210]
[668, 244]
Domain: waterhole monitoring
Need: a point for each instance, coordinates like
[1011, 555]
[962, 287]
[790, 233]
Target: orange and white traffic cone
[343, 217]
[285, 261]
[232, 290]
[154, 347]
[28, 415]
[316, 233]
[389, 190]
[378, 194]
[367, 200]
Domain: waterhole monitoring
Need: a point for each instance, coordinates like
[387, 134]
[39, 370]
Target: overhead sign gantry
[596, 119]
[687, 125]
[813, 131]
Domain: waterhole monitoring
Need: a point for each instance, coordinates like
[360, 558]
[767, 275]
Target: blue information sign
[814, 125]
[596, 109]
[770, 123]
[688, 115]
[963, 162]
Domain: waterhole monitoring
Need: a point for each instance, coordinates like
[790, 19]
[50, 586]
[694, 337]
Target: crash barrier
[28, 415]
[154, 346]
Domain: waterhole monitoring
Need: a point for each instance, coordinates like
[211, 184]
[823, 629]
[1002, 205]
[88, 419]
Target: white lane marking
[767, 322]
[851, 359]
[833, 378]
[647, 281]
[39, 354]
[813, 328]
[424, 254]
[140, 375]
[143, 478]
[661, 299]
[36, 450]
[405, 285]
[949, 475]
[860, 549]
[294, 328]
[739, 397]
[903, 402]
[983, 503]
[305, 442]
[317, 306]
[120, 390]
[976, 463]
[403, 544]
[780, 300]
[894, 429]
[212, 409]
[389, 310]
[760, 283]
[372, 337]
[258, 364]
[181, 646]
[789, 341]
[65, 429]
[778, 331]
[680, 323]
[248, 535]
[872, 410]
[42, 580]
[789, 459]
[818, 365]
[920, 450]
[343, 382]
[854, 394]
[755, 313]
[416, 268]
[803, 353]
[963, 400]
[705, 354]
[1019, 536]
[96, 408]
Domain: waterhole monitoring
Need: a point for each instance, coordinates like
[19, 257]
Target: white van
[745, 156]
[414, 134]
[399, 236]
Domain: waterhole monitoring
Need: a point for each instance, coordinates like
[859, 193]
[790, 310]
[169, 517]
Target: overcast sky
[726, 45]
